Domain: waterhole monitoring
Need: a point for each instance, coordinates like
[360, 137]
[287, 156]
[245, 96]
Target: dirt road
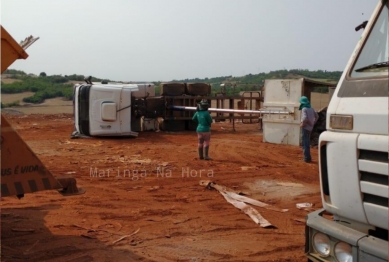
[147, 190]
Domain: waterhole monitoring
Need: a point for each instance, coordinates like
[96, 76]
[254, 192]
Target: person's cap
[304, 100]
[204, 102]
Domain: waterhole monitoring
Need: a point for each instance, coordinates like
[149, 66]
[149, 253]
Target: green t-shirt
[204, 121]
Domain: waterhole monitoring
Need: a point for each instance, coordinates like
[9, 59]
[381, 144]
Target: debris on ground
[303, 205]
[240, 201]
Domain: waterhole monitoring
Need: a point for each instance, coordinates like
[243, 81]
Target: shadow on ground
[24, 237]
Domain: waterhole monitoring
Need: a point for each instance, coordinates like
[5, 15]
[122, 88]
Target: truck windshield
[373, 58]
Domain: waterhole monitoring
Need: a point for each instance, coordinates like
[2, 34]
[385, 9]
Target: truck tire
[198, 89]
[172, 89]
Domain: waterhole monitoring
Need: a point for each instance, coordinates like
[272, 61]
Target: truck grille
[372, 178]
[373, 156]
[374, 184]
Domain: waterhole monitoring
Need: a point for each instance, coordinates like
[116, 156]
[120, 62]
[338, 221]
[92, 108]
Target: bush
[14, 103]
[51, 92]
[43, 87]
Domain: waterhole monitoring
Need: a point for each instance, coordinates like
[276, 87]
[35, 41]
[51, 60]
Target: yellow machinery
[21, 170]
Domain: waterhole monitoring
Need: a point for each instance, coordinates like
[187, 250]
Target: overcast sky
[162, 40]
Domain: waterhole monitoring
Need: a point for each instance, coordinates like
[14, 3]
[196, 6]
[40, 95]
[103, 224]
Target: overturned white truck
[103, 109]
[112, 109]
[353, 157]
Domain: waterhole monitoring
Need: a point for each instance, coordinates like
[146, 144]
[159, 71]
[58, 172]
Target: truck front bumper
[363, 247]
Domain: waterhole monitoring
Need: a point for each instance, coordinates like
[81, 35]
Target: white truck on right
[353, 157]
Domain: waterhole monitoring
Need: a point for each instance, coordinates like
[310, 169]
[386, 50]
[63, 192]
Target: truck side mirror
[359, 27]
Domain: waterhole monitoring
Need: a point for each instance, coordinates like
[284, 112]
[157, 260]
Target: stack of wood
[319, 127]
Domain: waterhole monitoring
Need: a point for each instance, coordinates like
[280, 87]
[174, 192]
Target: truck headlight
[341, 122]
[321, 243]
[342, 252]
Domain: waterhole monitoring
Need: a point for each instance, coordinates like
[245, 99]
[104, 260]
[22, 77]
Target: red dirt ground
[178, 220]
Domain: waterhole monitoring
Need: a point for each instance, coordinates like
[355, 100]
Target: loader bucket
[22, 171]
[10, 50]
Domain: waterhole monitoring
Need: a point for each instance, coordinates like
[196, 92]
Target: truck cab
[103, 109]
[353, 157]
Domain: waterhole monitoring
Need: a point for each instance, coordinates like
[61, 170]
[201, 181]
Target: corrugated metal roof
[321, 83]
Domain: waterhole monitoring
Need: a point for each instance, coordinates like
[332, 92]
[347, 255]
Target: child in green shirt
[204, 121]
